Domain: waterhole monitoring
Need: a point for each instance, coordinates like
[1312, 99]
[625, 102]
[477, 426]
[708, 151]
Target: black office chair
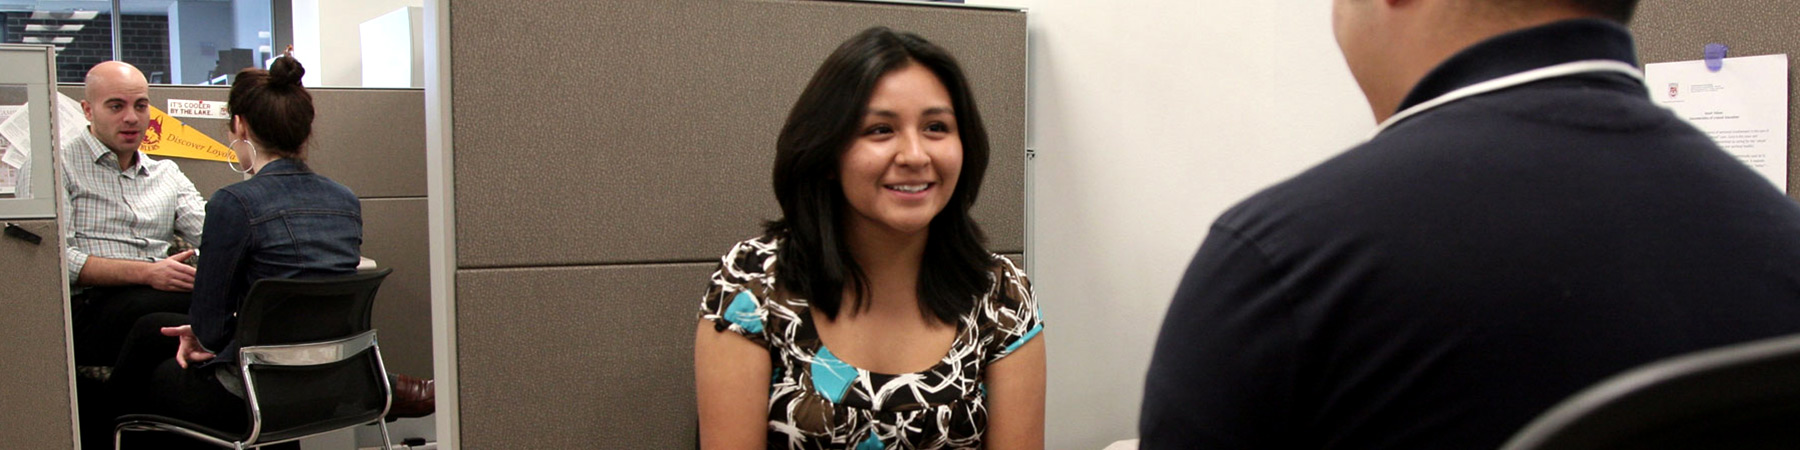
[309, 364]
[1743, 396]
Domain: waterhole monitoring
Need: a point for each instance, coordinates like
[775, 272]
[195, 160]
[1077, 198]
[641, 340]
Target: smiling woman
[871, 315]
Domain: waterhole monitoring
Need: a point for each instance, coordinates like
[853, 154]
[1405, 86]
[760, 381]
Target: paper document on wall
[9, 161]
[15, 136]
[15, 128]
[1743, 106]
[8, 178]
[71, 121]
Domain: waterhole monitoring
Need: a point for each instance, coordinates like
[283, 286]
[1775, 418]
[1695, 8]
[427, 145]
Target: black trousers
[104, 315]
[148, 380]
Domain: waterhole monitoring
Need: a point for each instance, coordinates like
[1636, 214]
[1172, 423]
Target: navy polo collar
[1524, 50]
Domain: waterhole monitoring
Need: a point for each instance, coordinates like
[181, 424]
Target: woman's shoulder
[1004, 268]
[1012, 287]
[331, 185]
[752, 258]
[338, 189]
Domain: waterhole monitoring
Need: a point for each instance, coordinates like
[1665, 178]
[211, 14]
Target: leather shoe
[413, 397]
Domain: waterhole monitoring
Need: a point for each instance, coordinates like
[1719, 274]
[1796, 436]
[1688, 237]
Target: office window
[172, 41]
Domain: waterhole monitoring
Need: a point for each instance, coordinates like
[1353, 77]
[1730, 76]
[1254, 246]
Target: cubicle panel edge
[1677, 31]
[651, 137]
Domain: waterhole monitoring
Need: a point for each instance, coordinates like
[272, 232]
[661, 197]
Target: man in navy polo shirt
[1523, 224]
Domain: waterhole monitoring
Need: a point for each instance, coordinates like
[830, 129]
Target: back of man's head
[1391, 44]
[1617, 10]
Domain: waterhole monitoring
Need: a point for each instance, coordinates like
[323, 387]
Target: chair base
[147, 422]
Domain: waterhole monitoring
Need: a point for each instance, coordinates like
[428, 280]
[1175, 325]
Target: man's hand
[190, 349]
[171, 274]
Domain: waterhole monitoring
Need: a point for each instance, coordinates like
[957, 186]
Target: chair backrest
[309, 357]
[290, 311]
[1743, 396]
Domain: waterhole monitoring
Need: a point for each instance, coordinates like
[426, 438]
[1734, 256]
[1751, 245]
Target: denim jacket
[286, 222]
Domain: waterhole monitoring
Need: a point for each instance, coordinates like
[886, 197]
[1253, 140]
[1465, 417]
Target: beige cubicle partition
[34, 404]
[36, 408]
[1673, 30]
[372, 141]
[596, 159]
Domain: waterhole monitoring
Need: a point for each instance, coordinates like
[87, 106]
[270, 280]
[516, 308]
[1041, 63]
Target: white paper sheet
[200, 109]
[16, 131]
[15, 139]
[1743, 106]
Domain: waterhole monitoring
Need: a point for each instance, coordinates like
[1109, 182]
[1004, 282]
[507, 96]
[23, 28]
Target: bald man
[1524, 223]
[125, 212]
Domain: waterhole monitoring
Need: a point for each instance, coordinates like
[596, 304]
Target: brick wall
[145, 38]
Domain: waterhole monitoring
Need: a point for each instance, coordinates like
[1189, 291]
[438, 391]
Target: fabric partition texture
[633, 131]
[34, 406]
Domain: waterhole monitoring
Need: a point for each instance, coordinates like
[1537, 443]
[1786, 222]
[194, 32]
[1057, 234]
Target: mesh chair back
[1744, 396]
[299, 398]
[291, 311]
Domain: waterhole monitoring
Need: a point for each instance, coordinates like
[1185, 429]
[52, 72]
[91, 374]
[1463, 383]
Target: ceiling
[142, 7]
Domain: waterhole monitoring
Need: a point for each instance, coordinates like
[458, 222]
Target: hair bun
[286, 71]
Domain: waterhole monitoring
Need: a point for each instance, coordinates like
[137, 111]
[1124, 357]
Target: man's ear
[87, 110]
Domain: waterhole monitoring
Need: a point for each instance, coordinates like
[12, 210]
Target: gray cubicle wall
[605, 154]
[372, 141]
[34, 403]
[1674, 30]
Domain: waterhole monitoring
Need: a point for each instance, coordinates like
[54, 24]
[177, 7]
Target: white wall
[393, 53]
[326, 37]
[305, 18]
[1150, 118]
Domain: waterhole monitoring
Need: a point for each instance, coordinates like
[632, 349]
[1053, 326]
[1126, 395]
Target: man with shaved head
[125, 213]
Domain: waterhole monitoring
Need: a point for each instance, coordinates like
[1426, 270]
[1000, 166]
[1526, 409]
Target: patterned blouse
[818, 401]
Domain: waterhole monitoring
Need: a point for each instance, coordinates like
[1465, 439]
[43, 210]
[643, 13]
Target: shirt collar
[99, 152]
[281, 166]
[1523, 50]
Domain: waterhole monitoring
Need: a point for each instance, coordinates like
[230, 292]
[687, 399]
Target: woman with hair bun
[285, 221]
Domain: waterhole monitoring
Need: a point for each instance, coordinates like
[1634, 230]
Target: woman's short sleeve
[735, 300]
[1010, 315]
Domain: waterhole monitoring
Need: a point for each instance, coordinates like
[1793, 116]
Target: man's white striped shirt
[133, 214]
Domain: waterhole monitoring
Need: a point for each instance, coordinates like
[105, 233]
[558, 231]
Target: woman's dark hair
[814, 262]
[275, 107]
